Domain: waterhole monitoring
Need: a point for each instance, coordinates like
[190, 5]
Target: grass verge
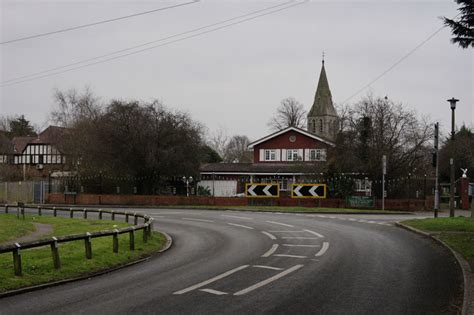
[38, 265]
[457, 232]
[11, 228]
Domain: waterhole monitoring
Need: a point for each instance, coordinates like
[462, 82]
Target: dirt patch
[41, 230]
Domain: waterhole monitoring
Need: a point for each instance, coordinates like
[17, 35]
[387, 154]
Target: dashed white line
[236, 217]
[300, 245]
[323, 250]
[213, 291]
[204, 283]
[287, 231]
[279, 223]
[267, 267]
[198, 220]
[271, 250]
[300, 238]
[314, 233]
[273, 237]
[332, 218]
[290, 256]
[352, 219]
[269, 280]
[242, 226]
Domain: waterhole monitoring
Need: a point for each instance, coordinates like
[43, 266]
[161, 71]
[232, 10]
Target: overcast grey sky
[235, 77]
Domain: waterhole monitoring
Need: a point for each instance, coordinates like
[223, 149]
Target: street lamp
[187, 181]
[452, 103]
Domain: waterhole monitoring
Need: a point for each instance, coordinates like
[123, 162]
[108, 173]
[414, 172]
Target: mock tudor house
[286, 156]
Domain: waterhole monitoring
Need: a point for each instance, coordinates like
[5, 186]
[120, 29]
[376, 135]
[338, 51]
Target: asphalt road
[243, 262]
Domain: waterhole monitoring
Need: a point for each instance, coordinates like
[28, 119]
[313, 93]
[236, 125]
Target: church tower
[322, 118]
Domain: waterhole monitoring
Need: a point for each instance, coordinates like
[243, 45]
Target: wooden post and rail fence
[53, 242]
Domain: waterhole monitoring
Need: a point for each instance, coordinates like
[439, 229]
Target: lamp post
[452, 103]
[187, 181]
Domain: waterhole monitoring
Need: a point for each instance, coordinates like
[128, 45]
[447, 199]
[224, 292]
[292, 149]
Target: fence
[53, 242]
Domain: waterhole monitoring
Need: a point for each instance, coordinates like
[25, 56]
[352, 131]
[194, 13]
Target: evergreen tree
[463, 28]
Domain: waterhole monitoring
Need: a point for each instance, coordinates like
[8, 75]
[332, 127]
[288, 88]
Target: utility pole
[384, 171]
[435, 164]
[452, 103]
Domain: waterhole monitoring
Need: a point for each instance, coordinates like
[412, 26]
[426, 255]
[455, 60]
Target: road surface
[244, 262]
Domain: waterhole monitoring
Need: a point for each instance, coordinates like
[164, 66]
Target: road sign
[308, 191]
[262, 190]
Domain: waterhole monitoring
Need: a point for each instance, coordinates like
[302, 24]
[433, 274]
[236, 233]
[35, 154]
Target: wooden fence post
[145, 234]
[55, 212]
[88, 245]
[71, 213]
[85, 213]
[115, 241]
[100, 214]
[113, 215]
[150, 228]
[55, 253]
[6, 208]
[135, 219]
[17, 260]
[23, 213]
[132, 239]
[126, 217]
[39, 210]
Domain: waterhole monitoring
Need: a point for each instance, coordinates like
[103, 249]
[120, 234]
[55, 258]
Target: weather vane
[323, 56]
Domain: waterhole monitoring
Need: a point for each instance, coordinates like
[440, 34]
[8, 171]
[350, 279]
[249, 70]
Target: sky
[233, 79]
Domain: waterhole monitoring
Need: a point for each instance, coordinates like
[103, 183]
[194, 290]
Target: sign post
[384, 171]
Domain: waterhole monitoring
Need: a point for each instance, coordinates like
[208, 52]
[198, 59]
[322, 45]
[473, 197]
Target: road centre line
[300, 238]
[314, 233]
[267, 267]
[300, 245]
[287, 231]
[352, 219]
[242, 226]
[323, 250]
[270, 251]
[204, 283]
[213, 291]
[198, 220]
[291, 256]
[269, 280]
[236, 217]
[269, 235]
[283, 224]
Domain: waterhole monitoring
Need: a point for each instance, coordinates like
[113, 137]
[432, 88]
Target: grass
[38, 265]
[11, 228]
[278, 209]
[457, 232]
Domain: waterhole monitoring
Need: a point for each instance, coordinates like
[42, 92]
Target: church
[288, 156]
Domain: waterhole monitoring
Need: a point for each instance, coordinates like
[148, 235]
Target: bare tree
[290, 113]
[237, 150]
[219, 140]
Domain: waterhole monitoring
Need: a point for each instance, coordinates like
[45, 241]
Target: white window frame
[317, 154]
[292, 155]
[269, 155]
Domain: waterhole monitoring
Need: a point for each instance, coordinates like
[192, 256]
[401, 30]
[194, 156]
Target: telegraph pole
[384, 171]
[435, 164]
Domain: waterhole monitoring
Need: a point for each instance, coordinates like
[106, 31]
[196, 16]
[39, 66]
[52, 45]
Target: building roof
[299, 130]
[322, 105]
[20, 143]
[48, 136]
[257, 168]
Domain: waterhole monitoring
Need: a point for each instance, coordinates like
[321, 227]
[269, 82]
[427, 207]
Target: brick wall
[91, 199]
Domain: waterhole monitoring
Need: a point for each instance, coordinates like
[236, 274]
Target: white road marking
[242, 226]
[332, 218]
[352, 219]
[284, 224]
[291, 256]
[287, 231]
[300, 245]
[373, 222]
[323, 250]
[269, 280]
[300, 238]
[213, 291]
[204, 283]
[269, 235]
[199, 220]
[314, 233]
[321, 216]
[271, 250]
[236, 217]
[267, 267]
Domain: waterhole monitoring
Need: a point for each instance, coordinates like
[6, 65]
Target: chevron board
[261, 190]
[308, 191]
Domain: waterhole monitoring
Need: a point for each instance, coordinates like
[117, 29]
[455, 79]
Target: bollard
[115, 241]
[71, 213]
[6, 208]
[132, 239]
[145, 234]
[39, 210]
[85, 213]
[113, 216]
[126, 217]
[17, 260]
[100, 214]
[88, 245]
[55, 212]
[55, 253]
[135, 219]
